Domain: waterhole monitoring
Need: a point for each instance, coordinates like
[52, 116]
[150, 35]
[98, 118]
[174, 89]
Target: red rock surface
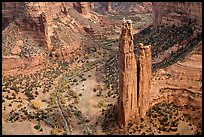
[144, 78]
[83, 8]
[189, 10]
[127, 107]
[123, 7]
[134, 78]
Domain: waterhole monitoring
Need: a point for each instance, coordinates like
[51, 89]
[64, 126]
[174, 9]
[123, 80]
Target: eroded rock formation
[176, 12]
[43, 21]
[10, 11]
[134, 78]
[144, 78]
[33, 18]
[36, 21]
[109, 6]
[127, 108]
[83, 8]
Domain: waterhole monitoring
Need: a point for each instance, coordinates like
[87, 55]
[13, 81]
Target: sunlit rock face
[127, 107]
[33, 18]
[144, 78]
[134, 77]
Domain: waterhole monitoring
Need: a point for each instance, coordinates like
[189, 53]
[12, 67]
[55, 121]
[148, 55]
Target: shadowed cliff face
[83, 8]
[11, 11]
[122, 7]
[177, 12]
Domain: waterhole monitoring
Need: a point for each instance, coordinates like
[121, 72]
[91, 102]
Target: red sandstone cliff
[122, 7]
[176, 12]
[37, 21]
[83, 8]
[29, 17]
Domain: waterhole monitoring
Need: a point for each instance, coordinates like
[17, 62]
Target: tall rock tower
[109, 8]
[44, 26]
[127, 107]
[144, 75]
[134, 77]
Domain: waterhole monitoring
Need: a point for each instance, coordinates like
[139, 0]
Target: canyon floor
[50, 96]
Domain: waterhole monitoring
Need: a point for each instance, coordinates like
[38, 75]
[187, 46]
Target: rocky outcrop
[44, 26]
[11, 11]
[134, 77]
[123, 7]
[176, 12]
[109, 8]
[144, 75]
[127, 107]
[83, 8]
[36, 21]
[181, 97]
[33, 18]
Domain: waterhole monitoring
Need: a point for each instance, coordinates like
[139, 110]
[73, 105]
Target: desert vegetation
[60, 73]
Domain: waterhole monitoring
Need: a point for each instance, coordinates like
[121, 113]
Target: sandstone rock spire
[44, 25]
[134, 77]
[144, 75]
[109, 8]
[127, 107]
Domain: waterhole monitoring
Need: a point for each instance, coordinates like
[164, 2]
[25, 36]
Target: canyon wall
[122, 7]
[180, 97]
[36, 19]
[176, 11]
[33, 18]
[101, 6]
[11, 11]
[32, 10]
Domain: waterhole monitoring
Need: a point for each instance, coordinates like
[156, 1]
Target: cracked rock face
[44, 26]
[188, 10]
[83, 8]
[134, 77]
[144, 78]
[127, 76]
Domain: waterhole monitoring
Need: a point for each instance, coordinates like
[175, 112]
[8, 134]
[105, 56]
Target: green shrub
[101, 103]
[37, 127]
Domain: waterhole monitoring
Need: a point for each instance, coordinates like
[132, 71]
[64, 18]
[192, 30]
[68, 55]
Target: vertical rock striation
[44, 25]
[127, 107]
[176, 11]
[144, 75]
[109, 8]
[134, 78]
[83, 7]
